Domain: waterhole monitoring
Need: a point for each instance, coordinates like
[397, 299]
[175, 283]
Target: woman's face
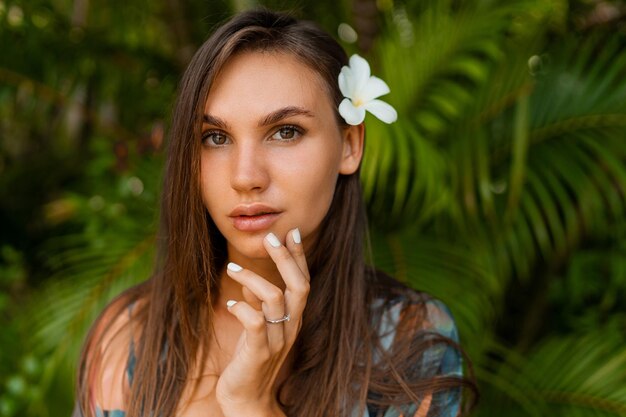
[271, 151]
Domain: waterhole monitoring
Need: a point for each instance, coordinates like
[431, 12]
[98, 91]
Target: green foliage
[525, 163]
[500, 190]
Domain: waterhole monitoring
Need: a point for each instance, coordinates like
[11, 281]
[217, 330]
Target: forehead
[256, 83]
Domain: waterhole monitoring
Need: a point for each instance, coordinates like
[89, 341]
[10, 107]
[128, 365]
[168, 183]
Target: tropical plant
[501, 190]
[510, 158]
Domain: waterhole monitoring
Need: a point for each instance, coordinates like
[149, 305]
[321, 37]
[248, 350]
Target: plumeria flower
[361, 90]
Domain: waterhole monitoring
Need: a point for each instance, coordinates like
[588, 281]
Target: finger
[293, 242]
[270, 295]
[252, 299]
[297, 285]
[253, 323]
[296, 248]
[272, 300]
[294, 278]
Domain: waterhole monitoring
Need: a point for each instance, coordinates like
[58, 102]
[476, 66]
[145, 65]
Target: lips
[254, 217]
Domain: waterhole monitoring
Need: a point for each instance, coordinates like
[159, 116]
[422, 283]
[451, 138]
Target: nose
[249, 168]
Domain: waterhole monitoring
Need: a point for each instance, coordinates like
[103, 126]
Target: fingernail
[234, 267]
[230, 303]
[296, 235]
[273, 240]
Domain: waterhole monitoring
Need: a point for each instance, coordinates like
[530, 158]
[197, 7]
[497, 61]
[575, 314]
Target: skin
[248, 357]
[291, 169]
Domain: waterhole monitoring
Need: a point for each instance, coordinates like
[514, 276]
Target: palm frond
[450, 273]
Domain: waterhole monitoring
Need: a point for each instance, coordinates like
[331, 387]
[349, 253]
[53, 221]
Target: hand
[246, 386]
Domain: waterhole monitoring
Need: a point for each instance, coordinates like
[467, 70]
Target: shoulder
[401, 312]
[104, 378]
[390, 295]
[417, 335]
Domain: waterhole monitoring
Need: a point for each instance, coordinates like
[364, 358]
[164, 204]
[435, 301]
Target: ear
[353, 138]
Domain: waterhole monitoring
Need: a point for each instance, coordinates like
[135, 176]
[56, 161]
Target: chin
[251, 248]
[257, 254]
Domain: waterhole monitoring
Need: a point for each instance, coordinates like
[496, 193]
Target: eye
[287, 133]
[214, 138]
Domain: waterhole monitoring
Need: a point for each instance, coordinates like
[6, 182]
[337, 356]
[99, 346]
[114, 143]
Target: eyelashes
[214, 138]
[284, 134]
[291, 132]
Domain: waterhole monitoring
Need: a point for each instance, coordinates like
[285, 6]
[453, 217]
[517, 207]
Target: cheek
[317, 196]
[210, 179]
[312, 176]
[204, 182]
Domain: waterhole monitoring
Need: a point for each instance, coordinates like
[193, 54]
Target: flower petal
[351, 114]
[360, 71]
[374, 88]
[345, 82]
[382, 110]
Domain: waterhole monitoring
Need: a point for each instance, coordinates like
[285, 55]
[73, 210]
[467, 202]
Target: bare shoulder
[107, 353]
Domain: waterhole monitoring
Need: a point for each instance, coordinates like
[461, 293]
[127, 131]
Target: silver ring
[286, 317]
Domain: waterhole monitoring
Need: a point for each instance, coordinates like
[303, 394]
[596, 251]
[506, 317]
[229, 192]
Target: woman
[261, 303]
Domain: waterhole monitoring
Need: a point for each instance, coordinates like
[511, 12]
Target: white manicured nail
[273, 240]
[230, 303]
[296, 236]
[234, 267]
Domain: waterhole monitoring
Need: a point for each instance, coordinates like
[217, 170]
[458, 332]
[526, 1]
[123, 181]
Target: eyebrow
[283, 113]
[215, 121]
[271, 118]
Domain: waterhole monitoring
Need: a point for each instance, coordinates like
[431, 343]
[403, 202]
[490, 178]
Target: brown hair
[333, 367]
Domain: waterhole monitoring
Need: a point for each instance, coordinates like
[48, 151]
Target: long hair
[333, 368]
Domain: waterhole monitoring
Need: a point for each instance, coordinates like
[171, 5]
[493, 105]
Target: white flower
[361, 90]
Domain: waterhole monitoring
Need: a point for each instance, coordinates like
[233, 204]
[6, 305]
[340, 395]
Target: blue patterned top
[439, 359]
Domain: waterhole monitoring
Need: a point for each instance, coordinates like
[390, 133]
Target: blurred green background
[501, 189]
